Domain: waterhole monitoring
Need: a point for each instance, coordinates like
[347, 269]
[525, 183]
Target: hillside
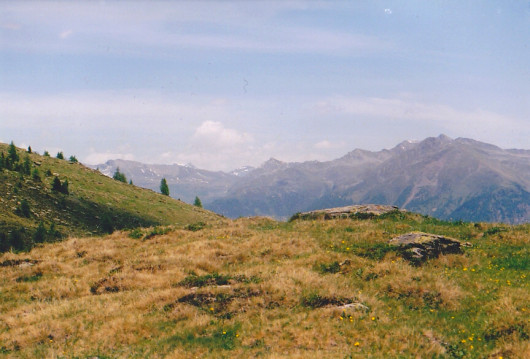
[185, 182]
[255, 287]
[95, 204]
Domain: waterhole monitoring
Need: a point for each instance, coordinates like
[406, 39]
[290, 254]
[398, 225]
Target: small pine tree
[107, 224]
[164, 189]
[40, 234]
[53, 232]
[197, 202]
[26, 166]
[60, 155]
[2, 161]
[56, 185]
[29, 149]
[16, 240]
[73, 159]
[12, 154]
[23, 209]
[46, 153]
[36, 175]
[64, 187]
[118, 176]
[4, 244]
[131, 182]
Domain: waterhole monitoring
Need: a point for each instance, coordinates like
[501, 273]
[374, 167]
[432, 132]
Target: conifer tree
[26, 166]
[40, 233]
[118, 176]
[73, 159]
[197, 202]
[12, 154]
[36, 175]
[64, 187]
[60, 155]
[164, 189]
[23, 209]
[29, 149]
[56, 185]
[46, 153]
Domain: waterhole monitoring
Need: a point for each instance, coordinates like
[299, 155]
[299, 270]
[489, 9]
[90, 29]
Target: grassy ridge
[93, 199]
[260, 288]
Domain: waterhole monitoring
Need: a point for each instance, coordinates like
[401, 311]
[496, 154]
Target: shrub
[494, 230]
[204, 280]
[40, 233]
[333, 267]
[26, 166]
[194, 227]
[23, 209]
[107, 224]
[35, 175]
[136, 233]
[16, 240]
[64, 187]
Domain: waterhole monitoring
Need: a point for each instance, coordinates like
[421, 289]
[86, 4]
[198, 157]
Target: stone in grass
[417, 247]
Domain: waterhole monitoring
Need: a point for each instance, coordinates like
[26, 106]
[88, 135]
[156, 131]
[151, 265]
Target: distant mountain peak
[272, 164]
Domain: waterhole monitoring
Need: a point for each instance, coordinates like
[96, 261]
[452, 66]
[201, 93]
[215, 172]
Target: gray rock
[417, 247]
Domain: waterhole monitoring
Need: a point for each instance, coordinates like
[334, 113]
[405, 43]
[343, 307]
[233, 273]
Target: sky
[225, 84]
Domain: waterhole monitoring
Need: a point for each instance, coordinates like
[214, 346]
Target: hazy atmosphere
[227, 84]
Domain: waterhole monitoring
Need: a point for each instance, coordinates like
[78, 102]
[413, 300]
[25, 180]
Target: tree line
[164, 187]
[22, 238]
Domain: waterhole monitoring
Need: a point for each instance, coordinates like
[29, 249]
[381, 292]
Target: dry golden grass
[269, 289]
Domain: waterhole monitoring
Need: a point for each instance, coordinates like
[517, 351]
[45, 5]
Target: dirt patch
[107, 285]
[18, 262]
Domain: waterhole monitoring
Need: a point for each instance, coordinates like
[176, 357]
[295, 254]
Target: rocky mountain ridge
[457, 179]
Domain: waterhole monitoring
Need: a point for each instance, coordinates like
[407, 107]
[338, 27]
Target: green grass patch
[221, 338]
[30, 278]
[194, 227]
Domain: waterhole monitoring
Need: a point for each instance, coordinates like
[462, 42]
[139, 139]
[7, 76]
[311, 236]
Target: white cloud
[95, 158]
[388, 11]
[398, 109]
[163, 25]
[65, 34]
[323, 145]
[10, 26]
[214, 134]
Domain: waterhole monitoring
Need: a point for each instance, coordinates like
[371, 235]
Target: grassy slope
[117, 296]
[91, 196]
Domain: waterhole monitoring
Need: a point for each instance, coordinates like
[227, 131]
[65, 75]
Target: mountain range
[455, 179]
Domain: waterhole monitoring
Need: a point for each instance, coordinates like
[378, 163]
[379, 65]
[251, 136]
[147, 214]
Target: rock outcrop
[417, 247]
[360, 211]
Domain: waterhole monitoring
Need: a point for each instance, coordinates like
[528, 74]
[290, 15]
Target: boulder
[417, 247]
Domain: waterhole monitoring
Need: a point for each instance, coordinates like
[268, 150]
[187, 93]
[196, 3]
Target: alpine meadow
[270, 179]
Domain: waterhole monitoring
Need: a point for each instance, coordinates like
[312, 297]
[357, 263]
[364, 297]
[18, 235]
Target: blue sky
[230, 83]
